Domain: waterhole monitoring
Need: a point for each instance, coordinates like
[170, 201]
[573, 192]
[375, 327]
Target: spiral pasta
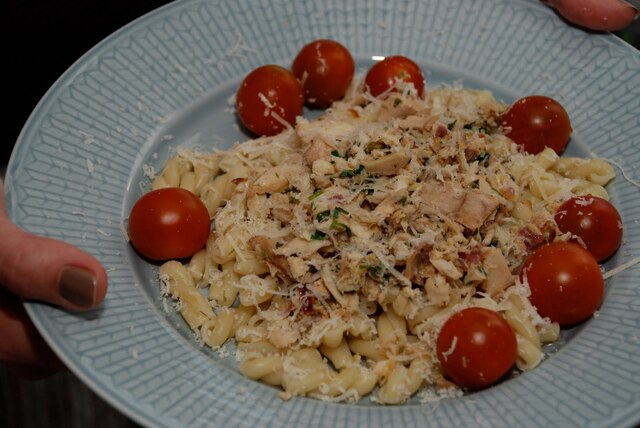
[341, 246]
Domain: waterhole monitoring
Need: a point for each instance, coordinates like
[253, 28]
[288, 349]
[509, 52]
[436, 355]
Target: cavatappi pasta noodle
[341, 246]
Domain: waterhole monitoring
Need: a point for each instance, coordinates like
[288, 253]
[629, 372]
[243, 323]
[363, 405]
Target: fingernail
[634, 7]
[77, 286]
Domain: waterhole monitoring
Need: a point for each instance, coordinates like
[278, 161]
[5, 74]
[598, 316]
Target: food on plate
[476, 347]
[373, 250]
[269, 100]
[325, 68]
[382, 76]
[537, 122]
[565, 282]
[169, 223]
[593, 222]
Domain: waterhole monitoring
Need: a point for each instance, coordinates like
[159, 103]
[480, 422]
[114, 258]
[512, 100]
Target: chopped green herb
[279, 244]
[316, 194]
[336, 153]
[468, 126]
[494, 242]
[451, 125]
[482, 270]
[323, 216]
[349, 173]
[475, 184]
[375, 271]
[397, 102]
[341, 227]
[293, 200]
[403, 200]
[318, 235]
[483, 130]
[335, 224]
[337, 211]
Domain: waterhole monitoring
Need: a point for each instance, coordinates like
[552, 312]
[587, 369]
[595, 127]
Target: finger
[599, 15]
[38, 268]
[21, 346]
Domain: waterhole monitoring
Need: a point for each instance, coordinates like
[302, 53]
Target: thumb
[38, 268]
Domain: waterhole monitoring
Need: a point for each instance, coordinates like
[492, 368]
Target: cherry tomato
[595, 221]
[536, 122]
[325, 68]
[565, 282]
[384, 74]
[476, 347]
[169, 223]
[267, 97]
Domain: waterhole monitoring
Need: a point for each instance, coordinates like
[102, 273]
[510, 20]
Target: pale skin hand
[33, 268]
[598, 15]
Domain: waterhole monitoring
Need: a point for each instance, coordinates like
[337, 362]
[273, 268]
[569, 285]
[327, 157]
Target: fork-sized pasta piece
[218, 329]
[401, 382]
[596, 171]
[194, 307]
[262, 361]
[350, 383]
[304, 372]
[392, 328]
[340, 355]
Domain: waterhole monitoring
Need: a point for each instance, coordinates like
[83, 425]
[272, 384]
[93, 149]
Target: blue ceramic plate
[165, 80]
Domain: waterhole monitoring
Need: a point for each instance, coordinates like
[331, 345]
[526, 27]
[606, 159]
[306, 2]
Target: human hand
[36, 268]
[599, 15]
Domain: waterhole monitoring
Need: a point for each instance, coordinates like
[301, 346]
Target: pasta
[341, 246]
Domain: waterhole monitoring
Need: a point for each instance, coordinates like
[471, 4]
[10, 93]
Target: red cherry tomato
[325, 68]
[384, 74]
[476, 347]
[169, 223]
[267, 97]
[595, 221]
[565, 281]
[536, 122]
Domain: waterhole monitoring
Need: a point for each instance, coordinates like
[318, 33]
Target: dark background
[42, 39]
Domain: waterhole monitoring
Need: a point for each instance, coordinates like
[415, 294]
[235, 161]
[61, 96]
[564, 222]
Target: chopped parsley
[335, 224]
[337, 154]
[375, 271]
[322, 216]
[318, 235]
[293, 200]
[316, 194]
[349, 173]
